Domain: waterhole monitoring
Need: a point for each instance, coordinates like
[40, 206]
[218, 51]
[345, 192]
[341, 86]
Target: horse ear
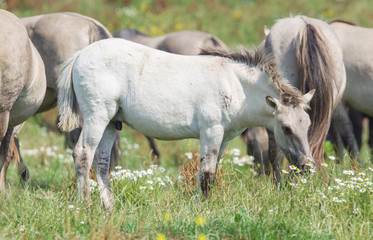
[273, 102]
[308, 96]
[266, 30]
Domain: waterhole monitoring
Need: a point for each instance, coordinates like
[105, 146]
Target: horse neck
[255, 109]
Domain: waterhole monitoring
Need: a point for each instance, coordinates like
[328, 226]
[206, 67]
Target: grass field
[157, 202]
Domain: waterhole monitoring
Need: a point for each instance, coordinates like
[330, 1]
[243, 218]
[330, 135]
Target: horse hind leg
[83, 155]
[101, 164]
[23, 172]
[4, 121]
[5, 157]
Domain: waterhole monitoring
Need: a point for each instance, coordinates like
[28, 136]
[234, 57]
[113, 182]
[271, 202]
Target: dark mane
[260, 58]
[342, 21]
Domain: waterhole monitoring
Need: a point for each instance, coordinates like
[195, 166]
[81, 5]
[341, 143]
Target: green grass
[241, 206]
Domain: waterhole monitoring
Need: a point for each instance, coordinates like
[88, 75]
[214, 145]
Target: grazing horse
[358, 60]
[184, 42]
[180, 42]
[310, 56]
[56, 43]
[57, 36]
[22, 84]
[167, 96]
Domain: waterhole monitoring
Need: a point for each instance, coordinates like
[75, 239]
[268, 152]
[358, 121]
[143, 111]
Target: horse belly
[165, 126]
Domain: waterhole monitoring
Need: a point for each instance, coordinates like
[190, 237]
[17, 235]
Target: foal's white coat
[169, 97]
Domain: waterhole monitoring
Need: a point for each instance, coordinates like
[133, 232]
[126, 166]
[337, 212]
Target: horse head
[291, 129]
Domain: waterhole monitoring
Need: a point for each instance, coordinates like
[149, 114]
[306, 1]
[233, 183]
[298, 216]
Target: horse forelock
[262, 59]
[316, 71]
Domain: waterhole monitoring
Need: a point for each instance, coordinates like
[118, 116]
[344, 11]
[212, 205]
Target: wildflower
[348, 172]
[356, 211]
[118, 167]
[149, 182]
[161, 169]
[200, 221]
[166, 217]
[81, 222]
[189, 155]
[22, 228]
[335, 199]
[141, 187]
[371, 169]
[285, 171]
[71, 206]
[309, 164]
[312, 170]
[303, 180]
[237, 15]
[361, 173]
[292, 167]
[154, 166]
[362, 190]
[235, 152]
[324, 164]
[136, 146]
[201, 236]
[160, 236]
[338, 180]
[298, 170]
[331, 157]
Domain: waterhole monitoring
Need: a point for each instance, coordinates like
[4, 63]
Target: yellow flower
[237, 15]
[144, 7]
[178, 26]
[166, 217]
[160, 236]
[200, 221]
[201, 236]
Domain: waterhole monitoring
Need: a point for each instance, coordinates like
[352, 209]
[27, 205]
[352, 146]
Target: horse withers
[213, 98]
[22, 84]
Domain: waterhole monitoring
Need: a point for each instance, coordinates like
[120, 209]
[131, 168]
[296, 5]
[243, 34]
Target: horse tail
[68, 106]
[214, 42]
[316, 71]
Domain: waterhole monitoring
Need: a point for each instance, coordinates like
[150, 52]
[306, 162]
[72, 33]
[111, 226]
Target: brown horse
[22, 81]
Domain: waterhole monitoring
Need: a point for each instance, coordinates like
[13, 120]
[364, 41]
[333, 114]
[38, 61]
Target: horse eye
[287, 130]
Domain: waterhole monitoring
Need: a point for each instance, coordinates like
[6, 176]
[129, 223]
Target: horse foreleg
[5, 157]
[211, 141]
[153, 146]
[274, 156]
[116, 152]
[101, 164]
[342, 124]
